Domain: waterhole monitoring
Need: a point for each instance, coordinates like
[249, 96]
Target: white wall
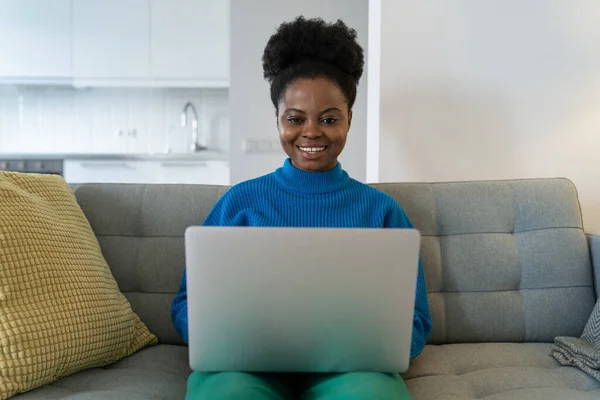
[252, 114]
[476, 89]
[373, 91]
[54, 119]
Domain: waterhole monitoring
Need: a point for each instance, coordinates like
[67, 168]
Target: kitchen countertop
[200, 156]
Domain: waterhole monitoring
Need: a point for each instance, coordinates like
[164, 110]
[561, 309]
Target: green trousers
[245, 386]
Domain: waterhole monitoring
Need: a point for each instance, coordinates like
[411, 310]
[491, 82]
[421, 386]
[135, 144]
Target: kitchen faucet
[184, 116]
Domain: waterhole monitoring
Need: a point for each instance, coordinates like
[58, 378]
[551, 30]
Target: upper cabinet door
[111, 39]
[190, 41]
[35, 39]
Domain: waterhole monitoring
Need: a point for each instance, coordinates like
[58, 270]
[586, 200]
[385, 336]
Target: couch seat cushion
[155, 373]
[492, 371]
[496, 371]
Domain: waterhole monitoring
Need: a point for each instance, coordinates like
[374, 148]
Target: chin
[312, 165]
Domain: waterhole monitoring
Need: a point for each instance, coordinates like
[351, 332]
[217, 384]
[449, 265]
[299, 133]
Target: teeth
[312, 149]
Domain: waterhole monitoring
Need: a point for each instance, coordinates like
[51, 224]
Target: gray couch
[507, 264]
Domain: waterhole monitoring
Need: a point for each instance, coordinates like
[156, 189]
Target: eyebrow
[294, 110]
[322, 112]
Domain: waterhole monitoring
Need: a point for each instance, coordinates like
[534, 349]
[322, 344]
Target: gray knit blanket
[583, 352]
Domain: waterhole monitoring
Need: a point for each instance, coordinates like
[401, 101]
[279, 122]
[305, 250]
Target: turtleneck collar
[300, 181]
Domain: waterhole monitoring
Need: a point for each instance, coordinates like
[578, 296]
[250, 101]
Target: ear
[349, 119]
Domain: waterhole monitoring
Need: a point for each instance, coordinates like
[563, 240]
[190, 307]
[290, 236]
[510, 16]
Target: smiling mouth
[312, 150]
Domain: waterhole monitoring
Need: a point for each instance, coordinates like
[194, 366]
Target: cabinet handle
[184, 164]
[93, 165]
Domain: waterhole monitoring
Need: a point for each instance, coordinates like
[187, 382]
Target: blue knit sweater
[290, 197]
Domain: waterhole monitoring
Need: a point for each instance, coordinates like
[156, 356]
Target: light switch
[250, 146]
[264, 146]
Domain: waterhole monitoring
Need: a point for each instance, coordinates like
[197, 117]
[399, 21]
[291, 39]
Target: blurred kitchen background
[172, 91]
[116, 91]
[142, 91]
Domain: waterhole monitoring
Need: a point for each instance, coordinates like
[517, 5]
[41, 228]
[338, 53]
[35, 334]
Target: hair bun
[313, 40]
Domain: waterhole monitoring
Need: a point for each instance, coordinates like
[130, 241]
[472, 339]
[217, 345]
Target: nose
[311, 130]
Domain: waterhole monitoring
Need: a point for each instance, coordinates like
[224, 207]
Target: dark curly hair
[311, 48]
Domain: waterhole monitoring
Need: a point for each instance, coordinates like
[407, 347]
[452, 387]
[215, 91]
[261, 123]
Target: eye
[294, 120]
[329, 120]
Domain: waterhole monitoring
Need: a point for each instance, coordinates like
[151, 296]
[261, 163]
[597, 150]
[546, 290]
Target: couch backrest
[503, 260]
[140, 230]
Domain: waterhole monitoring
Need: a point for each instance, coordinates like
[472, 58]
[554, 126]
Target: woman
[313, 69]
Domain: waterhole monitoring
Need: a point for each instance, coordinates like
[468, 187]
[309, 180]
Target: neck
[300, 181]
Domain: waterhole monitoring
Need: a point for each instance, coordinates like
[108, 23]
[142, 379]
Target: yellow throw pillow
[61, 310]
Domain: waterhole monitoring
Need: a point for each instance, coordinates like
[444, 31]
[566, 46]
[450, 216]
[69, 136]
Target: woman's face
[313, 121]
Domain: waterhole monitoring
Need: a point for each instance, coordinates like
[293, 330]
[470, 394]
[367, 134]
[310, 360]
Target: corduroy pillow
[61, 310]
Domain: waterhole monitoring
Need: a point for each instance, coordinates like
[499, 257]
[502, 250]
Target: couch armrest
[594, 242]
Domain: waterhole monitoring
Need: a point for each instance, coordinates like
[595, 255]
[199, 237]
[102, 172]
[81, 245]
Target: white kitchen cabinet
[103, 171]
[135, 43]
[190, 41]
[146, 171]
[111, 41]
[194, 172]
[35, 40]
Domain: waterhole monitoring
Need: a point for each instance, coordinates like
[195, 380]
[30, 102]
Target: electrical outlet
[261, 146]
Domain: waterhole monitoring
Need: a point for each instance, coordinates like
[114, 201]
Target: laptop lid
[300, 299]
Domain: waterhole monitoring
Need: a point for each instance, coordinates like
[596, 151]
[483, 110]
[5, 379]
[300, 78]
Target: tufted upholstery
[140, 230]
[155, 373]
[496, 371]
[504, 261]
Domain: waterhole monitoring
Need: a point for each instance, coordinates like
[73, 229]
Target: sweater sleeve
[220, 215]
[179, 310]
[396, 218]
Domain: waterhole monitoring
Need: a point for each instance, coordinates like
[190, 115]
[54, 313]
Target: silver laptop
[300, 299]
